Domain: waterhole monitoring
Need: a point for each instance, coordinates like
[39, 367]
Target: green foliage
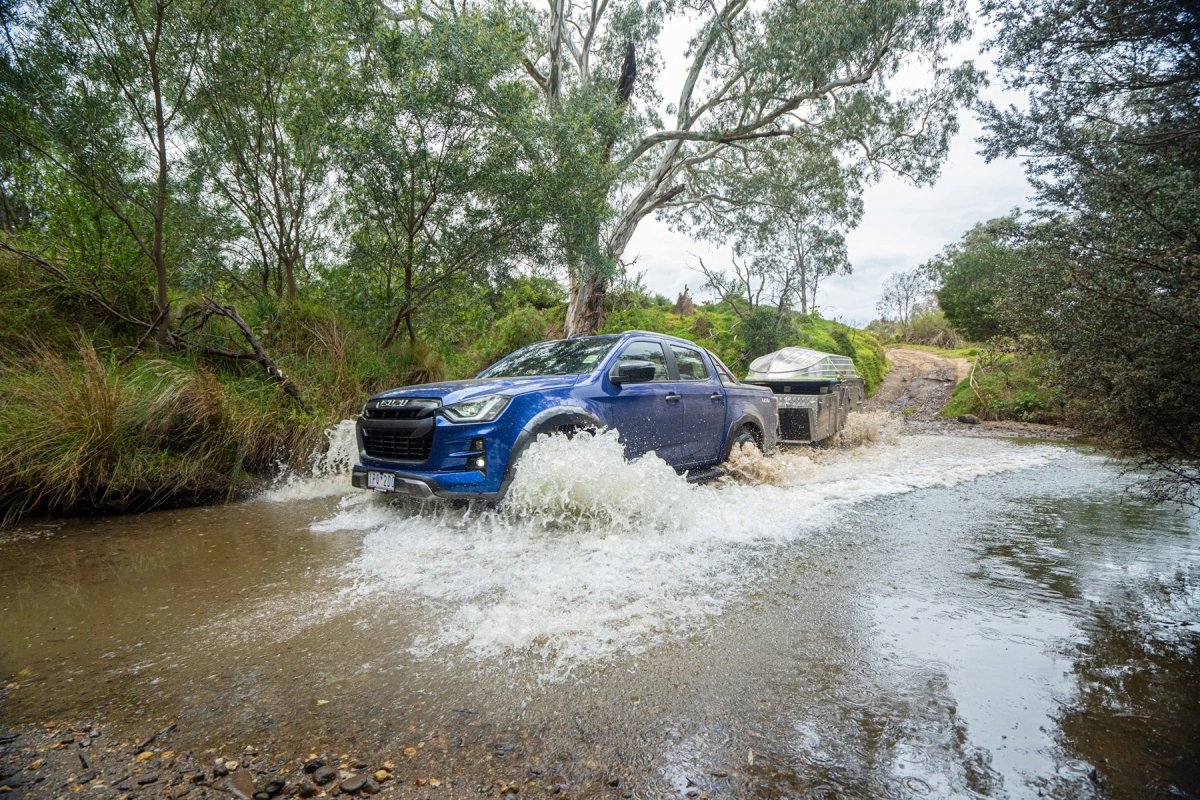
[785, 210]
[933, 328]
[972, 274]
[1108, 285]
[1009, 387]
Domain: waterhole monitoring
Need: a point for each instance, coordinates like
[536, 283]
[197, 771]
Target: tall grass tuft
[86, 434]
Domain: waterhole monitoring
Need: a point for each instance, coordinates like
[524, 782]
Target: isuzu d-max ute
[463, 439]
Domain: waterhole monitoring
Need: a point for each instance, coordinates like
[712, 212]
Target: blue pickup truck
[463, 439]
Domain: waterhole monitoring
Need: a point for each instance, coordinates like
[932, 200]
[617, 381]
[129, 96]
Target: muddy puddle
[918, 617]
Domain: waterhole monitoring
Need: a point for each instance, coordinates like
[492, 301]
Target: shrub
[932, 328]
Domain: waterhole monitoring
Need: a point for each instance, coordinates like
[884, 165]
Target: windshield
[562, 357]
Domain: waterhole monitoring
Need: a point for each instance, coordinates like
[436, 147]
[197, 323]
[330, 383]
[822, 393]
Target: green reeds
[85, 433]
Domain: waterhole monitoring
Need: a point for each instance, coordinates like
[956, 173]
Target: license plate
[381, 481]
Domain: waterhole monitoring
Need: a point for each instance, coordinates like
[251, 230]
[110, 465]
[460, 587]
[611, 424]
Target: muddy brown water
[938, 617]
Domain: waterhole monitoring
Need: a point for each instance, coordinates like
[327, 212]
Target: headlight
[481, 409]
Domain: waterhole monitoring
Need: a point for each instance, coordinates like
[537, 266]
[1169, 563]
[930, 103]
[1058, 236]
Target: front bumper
[424, 487]
[447, 473]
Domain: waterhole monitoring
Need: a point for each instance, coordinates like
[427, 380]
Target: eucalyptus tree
[102, 84]
[752, 71]
[1111, 134]
[263, 122]
[783, 207]
[903, 294]
[444, 181]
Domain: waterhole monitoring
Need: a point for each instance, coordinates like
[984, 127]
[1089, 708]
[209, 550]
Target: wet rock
[274, 787]
[324, 775]
[615, 782]
[381, 775]
[312, 766]
[146, 781]
[8, 738]
[240, 784]
[261, 796]
[968, 419]
[306, 789]
[353, 784]
[370, 787]
[219, 769]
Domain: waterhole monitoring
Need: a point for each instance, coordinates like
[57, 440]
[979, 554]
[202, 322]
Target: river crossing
[936, 616]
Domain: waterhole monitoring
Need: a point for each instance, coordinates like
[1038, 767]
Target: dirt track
[920, 384]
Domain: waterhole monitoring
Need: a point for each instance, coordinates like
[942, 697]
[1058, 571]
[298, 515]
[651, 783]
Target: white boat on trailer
[816, 391]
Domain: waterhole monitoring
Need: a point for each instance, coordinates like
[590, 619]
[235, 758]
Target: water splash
[328, 472]
[555, 488]
[869, 427]
[592, 557]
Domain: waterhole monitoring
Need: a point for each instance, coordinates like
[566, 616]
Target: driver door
[648, 416]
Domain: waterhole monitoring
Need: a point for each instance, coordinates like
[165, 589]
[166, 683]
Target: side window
[690, 364]
[647, 351]
[723, 371]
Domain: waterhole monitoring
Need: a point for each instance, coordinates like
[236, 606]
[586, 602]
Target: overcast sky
[902, 226]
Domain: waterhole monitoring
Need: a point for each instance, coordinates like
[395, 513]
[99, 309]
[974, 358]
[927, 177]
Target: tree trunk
[585, 311]
[162, 331]
[291, 280]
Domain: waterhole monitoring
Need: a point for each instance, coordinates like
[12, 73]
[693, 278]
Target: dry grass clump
[86, 433]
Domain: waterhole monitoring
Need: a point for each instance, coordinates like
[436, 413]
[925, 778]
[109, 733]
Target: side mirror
[632, 371]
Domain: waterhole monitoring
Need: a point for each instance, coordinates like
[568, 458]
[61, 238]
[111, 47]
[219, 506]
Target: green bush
[1008, 387]
[932, 328]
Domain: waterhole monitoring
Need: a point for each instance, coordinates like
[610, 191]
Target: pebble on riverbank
[51, 761]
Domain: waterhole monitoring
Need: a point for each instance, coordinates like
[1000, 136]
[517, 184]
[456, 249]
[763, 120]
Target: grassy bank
[1008, 387]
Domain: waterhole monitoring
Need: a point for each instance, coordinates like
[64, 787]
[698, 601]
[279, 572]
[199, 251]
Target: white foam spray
[328, 472]
[591, 557]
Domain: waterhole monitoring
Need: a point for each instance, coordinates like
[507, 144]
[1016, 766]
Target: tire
[514, 458]
[746, 434]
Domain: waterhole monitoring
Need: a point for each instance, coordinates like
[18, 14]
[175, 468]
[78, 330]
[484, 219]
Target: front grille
[396, 445]
[408, 412]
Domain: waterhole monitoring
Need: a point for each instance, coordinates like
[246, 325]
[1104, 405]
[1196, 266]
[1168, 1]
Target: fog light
[479, 462]
[477, 445]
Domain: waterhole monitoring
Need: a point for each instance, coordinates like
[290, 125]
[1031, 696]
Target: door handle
[716, 396]
[673, 398]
